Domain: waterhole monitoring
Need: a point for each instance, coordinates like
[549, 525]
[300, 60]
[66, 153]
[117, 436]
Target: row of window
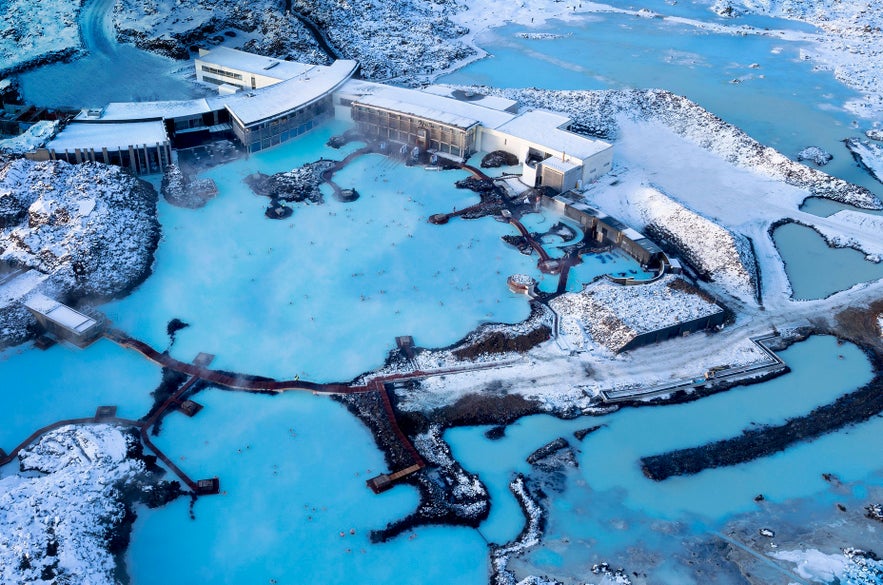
[447, 143]
[221, 72]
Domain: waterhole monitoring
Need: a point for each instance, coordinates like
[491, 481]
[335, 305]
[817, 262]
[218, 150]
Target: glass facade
[284, 127]
[413, 130]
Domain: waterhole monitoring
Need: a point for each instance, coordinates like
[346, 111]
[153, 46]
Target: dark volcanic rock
[757, 442]
[547, 450]
[582, 433]
[475, 184]
[498, 158]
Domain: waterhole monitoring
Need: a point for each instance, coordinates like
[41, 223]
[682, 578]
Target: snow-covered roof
[60, 314]
[562, 166]
[488, 101]
[252, 63]
[435, 107]
[632, 234]
[419, 110]
[260, 104]
[544, 128]
[97, 135]
[153, 110]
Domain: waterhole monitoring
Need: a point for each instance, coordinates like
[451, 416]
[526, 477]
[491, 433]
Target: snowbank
[722, 255]
[58, 516]
[852, 222]
[869, 155]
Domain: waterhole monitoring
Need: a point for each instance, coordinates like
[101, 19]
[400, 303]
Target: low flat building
[142, 147]
[277, 113]
[608, 230]
[225, 66]
[457, 124]
[63, 321]
[552, 155]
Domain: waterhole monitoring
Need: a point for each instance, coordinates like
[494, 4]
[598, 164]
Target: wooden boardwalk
[199, 371]
[10, 457]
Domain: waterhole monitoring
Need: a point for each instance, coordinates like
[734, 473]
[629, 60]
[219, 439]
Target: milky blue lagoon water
[324, 293]
[64, 382]
[284, 298]
[608, 506]
[293, 471]
[816, 270]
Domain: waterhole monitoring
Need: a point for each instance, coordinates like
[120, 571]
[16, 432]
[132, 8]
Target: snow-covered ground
[614, 315]
[91, 227]
[58, 515]
[850, 567]
[869, 154]
[171, 27]
[34, 32]
[35, 137]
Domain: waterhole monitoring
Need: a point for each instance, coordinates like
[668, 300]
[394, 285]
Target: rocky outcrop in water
[816, 155]
[298, 185]
[498, 158]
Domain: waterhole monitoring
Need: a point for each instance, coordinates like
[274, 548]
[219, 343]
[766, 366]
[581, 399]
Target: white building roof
[562, 166]
[487, 101]
[60, 314]
[633, 234]
[435, 107]
[419, 110]
[544, 129]
[252, 63]
[253, 106]
[120, 111]
[98, 135]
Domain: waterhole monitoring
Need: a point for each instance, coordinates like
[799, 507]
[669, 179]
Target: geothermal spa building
[263, 102]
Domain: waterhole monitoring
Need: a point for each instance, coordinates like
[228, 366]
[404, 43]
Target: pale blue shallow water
[817, 270]
[63, 382]
[782, 103]
[293, 471]
[324, 293]
[608, 505]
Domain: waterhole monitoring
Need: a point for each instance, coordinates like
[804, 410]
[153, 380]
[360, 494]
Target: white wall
[598, 165]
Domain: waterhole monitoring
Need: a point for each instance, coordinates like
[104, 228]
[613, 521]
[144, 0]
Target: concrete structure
[605, 229]
[223, 66]
[458, 124]
[285, 100]
[552, 155]
[63, 321]
[275, 114]
[142, 147]
[679, 330]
